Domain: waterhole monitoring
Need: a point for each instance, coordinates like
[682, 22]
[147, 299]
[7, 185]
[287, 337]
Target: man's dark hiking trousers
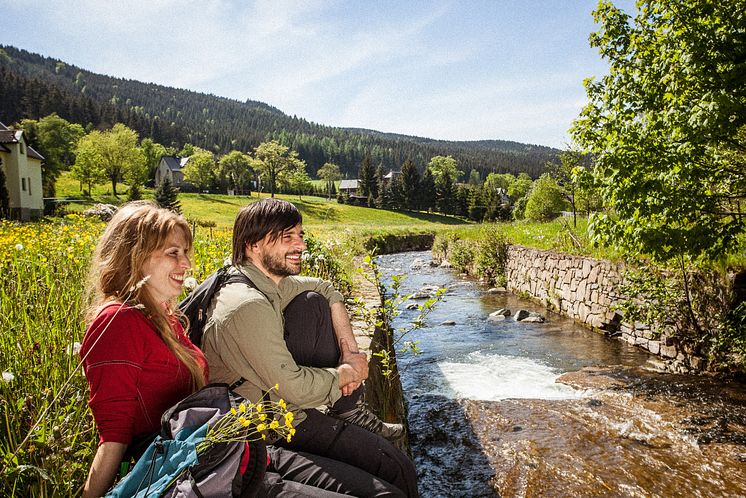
[311, 340]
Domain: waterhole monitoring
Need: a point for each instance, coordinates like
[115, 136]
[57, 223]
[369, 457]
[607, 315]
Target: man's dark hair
[267, 216]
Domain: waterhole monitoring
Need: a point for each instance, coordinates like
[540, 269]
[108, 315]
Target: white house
[22, 167]
[171, 167]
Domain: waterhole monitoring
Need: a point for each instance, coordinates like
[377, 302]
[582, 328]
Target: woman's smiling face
[167, 267]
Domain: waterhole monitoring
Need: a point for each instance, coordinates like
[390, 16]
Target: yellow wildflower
[233, 411]
[282, 404]
[242, 408]
[274, 424]
[261, 427]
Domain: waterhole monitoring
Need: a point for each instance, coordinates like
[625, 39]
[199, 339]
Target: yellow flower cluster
[251, 422]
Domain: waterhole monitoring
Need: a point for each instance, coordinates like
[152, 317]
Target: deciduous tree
[237, 168]
[200, 169]
[88, 167]
[275, 161]
[444, 166]
[666, 127]
[55, 138]
[330, 173]
[545, 200]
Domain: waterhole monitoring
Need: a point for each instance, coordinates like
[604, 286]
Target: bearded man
[294, 332]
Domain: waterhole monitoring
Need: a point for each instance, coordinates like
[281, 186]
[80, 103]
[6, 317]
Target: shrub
[492, 255]
[461, 255]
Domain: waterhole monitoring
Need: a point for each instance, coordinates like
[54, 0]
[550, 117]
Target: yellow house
[22, 167]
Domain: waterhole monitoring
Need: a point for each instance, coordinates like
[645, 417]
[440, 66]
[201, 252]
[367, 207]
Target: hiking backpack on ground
[171, 467]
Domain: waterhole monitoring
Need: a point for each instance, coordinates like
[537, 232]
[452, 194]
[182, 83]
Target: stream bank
[553, 409]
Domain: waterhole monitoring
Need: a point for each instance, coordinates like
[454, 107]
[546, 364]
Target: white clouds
[447, 71]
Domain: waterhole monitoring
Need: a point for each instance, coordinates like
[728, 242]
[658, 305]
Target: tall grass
[43, 268]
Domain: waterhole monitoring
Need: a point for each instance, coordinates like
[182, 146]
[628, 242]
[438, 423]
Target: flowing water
[553, 409]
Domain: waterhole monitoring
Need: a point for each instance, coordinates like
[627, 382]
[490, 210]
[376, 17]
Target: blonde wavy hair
[135, 232]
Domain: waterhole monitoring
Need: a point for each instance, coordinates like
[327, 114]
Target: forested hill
[33, 86]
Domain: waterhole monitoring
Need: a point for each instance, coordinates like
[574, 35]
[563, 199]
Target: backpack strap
[240, 278]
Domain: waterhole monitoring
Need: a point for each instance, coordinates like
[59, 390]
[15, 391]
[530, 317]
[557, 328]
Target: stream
[554, 409]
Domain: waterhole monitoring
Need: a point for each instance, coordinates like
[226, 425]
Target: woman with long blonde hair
[137, 359]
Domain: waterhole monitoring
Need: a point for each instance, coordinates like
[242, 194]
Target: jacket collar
[262, 282]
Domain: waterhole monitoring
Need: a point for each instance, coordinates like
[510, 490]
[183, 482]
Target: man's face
[280, 257]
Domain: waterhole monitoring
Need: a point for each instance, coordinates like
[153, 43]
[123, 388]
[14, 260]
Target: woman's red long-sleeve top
[133, 376]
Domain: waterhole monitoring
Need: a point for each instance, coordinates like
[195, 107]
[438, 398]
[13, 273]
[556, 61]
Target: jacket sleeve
[113, 355]
[294, 285]
[254, 347]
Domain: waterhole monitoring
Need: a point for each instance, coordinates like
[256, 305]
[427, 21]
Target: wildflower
[274, 424]
[19, 247]
[261, 427]
[242, 408]
[305, 256]
[282, 404]
[8, 377]
[73, 349]
[262, 417]
[190, 283]
[233, 411]
[320, 257]
[277, 386]
[259, 408]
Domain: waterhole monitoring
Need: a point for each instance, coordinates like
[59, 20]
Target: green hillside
[34, 86]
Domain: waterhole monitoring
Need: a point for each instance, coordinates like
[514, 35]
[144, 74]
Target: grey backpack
[171, 467]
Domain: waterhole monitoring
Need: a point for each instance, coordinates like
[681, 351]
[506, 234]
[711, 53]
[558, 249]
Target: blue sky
[454, 70]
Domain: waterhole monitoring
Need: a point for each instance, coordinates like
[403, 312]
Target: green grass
[354, 224]
[319, 213]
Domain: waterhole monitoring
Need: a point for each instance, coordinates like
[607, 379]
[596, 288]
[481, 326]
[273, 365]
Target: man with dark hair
[295, 332]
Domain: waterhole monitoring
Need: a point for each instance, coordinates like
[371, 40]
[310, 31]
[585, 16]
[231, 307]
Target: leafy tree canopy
[666, 127]
[55, 138]
[200, 169]
[545, 200]
[275, 161]
[442, 166]
[237, 168]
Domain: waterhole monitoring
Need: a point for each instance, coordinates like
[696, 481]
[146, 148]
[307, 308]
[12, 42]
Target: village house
[171, 167]
[22, 167]
[348, 187]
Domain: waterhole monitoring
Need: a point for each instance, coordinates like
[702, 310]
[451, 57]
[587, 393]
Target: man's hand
[353, 369]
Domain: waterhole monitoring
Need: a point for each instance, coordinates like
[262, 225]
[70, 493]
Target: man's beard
[277, 265]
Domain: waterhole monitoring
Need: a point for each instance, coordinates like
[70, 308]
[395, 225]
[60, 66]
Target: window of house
[23, 184]
[29, 185]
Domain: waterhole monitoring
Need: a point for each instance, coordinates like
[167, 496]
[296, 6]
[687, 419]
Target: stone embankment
[587, 290]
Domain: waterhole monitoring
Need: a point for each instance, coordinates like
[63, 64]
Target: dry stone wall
[586, 290]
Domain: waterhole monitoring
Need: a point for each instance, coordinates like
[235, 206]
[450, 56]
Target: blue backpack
[171, 467]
